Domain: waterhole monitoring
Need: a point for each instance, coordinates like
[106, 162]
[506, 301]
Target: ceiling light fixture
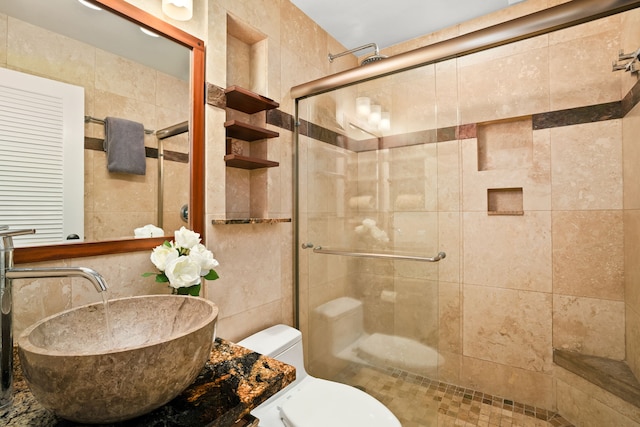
[89, 5]
[180, 10]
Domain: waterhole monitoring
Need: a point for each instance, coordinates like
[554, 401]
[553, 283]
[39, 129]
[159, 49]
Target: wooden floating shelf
[248, 102]
[247, 132]
[244, 162]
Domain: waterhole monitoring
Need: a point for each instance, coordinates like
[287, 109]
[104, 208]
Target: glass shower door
[369, 236]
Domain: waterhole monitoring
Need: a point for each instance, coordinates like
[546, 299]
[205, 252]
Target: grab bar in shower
[321, 250]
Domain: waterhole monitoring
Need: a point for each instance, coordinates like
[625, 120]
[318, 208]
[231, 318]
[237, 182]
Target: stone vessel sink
[157, 347]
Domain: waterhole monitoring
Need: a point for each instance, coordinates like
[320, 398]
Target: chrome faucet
[7, 273]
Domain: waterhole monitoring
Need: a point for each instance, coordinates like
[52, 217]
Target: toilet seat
[322, 403]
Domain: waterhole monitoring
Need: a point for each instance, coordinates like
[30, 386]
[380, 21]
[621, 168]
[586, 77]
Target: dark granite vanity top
[231, 384]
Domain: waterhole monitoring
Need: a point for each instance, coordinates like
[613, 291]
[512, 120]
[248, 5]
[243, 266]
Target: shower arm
[355, 49]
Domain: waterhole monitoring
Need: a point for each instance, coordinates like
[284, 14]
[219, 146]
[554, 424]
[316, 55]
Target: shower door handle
[343, 252]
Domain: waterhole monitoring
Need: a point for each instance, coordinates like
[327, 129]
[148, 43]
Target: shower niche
[248, 141]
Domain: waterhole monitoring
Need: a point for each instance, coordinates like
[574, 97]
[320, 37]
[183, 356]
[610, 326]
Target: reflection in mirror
[143, 86]
[122, 72]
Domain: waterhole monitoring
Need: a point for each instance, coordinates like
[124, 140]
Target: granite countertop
[233, 382]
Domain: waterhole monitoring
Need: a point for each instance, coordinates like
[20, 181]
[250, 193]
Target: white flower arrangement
[369, 228]
[183, 263]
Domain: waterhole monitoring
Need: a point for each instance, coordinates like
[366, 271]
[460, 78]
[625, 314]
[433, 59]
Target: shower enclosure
[375, 189]
[459, 221]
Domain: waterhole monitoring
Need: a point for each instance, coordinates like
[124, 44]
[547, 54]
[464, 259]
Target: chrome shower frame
[548, 20]
[545, 21]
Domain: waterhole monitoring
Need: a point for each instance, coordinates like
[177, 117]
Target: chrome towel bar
[321, 250]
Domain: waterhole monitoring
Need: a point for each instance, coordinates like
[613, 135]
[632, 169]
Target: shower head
[373, 58]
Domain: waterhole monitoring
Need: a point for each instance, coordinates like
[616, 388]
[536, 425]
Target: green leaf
[191, 290]
[148, 274]
[166, 243]
[194, 290]
[212, 275]
[161, 278]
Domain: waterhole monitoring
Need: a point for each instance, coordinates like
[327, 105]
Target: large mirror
[170, 95]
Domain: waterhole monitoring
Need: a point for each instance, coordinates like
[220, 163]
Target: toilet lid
[324, 403]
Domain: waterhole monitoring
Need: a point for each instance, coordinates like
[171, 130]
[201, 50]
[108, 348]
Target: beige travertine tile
[586, 166]
[586, 30]
[449, 175]
[522, 385]
[407, 115]
[508, 251]
[113, 192]
[238, 62]
[111, 104]
[286, 175]
[595, 393]
[450, 242]
[573, 86]
[416, 310]
[172, 93]
[245, 323]
[263, 15]
[450, 317]
[492, 89]
[631, 158]
[248, 279]
[447, 93]
[124, 77]
[588, 254]
[517, 335]
[299, 33]
[631, 259]
[238, 193]
[215, 184]
[35, 299]
[632, 335]
[274, 185]
[629, 34]
[3, 39]
[43, 53]
[589, 326]
[582, 403]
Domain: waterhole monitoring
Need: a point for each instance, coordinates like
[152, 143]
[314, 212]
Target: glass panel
[369, 183]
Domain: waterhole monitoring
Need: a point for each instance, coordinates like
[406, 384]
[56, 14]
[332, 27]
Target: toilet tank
[340, 323]
[280, 342]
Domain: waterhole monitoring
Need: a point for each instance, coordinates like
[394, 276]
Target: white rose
[183, 272]
[185, 238]
[379, 235]
[162, 255]
[204, 258]
[368, 222]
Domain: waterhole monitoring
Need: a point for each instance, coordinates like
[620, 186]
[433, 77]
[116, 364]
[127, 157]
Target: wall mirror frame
[196, 141]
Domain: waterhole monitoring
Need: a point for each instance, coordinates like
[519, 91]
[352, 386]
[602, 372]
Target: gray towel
[124, 144]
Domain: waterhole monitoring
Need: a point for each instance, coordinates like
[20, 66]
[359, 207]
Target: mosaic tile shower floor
[420, 402]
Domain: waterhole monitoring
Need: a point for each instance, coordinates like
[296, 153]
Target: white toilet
[310, 401]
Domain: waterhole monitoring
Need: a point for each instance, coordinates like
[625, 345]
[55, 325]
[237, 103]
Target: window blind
[39, 143]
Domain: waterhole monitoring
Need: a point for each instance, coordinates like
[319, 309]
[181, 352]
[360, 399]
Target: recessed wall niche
[247, 185]
[505, 201]
[505, 144]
